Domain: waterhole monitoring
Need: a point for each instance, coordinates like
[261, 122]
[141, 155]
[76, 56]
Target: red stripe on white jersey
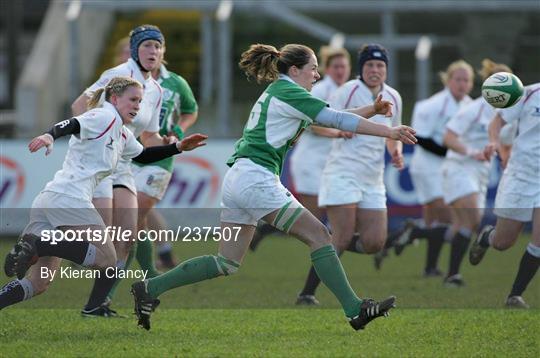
[350, 96]
[530, 94]
[105, 131]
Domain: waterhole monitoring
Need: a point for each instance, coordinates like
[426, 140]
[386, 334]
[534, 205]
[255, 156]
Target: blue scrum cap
[140, 34]
[371, 52]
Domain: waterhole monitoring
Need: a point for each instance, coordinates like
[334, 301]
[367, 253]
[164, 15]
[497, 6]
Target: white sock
[90, 258]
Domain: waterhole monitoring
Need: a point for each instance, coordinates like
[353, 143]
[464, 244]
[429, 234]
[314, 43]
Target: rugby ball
[502, 89]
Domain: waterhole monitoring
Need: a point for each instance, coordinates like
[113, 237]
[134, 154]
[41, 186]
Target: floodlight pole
[422, 54]
[207, 56]
[72, 17]
[224, 95]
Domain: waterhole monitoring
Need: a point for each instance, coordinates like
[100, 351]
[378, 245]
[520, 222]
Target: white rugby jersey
[94, 153]
[362, 156]
[471, 123]
[429, 120]
[524, 160]
[147, 118]
[312, 147]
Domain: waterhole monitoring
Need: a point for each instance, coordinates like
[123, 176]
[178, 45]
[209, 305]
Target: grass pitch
[253, 313]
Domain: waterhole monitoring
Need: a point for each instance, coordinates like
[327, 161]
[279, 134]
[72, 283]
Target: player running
[430, 117]
[465, 170]
[116, 196]
[352, 188]
[252, 190]
[518, 195]
[99, 140]
[310, 152]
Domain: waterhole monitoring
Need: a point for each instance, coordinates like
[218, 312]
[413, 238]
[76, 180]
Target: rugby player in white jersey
[252, 190]
[429, 120]
[146, 43]
[99, 141]
[310, 152]
[465, 170]
[352, 188]
[518, 195]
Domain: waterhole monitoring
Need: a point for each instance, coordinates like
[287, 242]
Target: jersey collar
[163, 73]
[286, 78]
[367, 90]
[136, 72]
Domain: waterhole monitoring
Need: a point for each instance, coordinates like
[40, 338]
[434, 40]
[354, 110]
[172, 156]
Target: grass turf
[253, 313]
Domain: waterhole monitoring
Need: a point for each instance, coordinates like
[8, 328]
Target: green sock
[193, 270]
[145, 257]
[129, 259]
[331, 273]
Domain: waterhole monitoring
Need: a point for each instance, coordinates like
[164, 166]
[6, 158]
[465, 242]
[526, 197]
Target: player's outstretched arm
[67, 127]
[154, 154]
[351, 122]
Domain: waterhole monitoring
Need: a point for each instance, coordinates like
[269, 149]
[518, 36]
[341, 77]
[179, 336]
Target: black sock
[391, 239]
[460, 244]
[435, 241]
[312, 281]
[11, 294]
[102, 286]
[353, 244]
[74, 251]
[527, 269]
[166, 256]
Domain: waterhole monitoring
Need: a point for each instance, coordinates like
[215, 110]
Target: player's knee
[225, 266]
[105, 258]
[39, 285]
[501, 245]
[372, 246]
[321, 236]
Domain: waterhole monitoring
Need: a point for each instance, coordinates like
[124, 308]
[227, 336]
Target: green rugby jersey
[276, 120]
[177, 98]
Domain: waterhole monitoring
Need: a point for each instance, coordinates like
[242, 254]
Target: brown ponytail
[489, 67]
[264, 63]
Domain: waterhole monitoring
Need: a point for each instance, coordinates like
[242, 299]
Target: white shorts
[427, 185]
[151, 180]
[340, 190]
[51, 210]
[251, 192]
[516, 198]
[122, 176]
[462, 178]
[306, 173]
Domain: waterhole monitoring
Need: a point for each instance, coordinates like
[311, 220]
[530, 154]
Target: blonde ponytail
[116, 86]
[96, 99]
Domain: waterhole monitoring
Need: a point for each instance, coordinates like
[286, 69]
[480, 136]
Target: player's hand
[404, 134]
[382, 107]
[45, 140]
[191, 142]
[477, 155]
[490, 149]
[345, 134]
[397, 159]
[169, 139]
